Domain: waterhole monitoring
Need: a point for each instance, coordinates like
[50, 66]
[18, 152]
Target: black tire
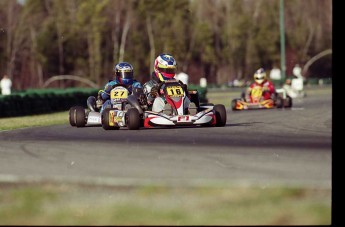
[288, 102]
[279, 102]
[80, 116]
[195, 98]
[142, 120]
[72, 118]
[220, 115]
[133, 119]
[105, 120]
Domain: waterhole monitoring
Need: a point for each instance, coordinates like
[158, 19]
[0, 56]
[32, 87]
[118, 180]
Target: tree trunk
[151, 40]
[124, 35]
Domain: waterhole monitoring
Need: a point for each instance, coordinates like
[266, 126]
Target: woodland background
[217, 39]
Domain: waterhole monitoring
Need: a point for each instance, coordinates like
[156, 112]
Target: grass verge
[70, 204]
[34, 120]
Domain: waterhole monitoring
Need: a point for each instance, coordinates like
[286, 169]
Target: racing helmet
[260, 76]
[165, 67]
[124, 73]
[288, 81]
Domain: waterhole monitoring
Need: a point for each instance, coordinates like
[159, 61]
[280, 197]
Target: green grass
[224, 97]
[34, 120]
[68, 204]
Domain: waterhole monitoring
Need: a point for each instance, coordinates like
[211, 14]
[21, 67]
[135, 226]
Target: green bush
[39, 101]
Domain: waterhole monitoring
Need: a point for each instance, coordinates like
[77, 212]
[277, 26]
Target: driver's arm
[147, 91]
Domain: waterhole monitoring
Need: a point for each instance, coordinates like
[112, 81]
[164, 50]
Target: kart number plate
[175, 91]
[257, 92]
[115, 117]
[118, 94]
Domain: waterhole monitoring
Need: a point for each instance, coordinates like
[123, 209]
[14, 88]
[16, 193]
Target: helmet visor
[259, 78]
[126, 81]
[125, 74]
[164, 76]
[167, 70]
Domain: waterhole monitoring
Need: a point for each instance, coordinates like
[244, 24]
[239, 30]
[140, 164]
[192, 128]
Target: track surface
[291, 147]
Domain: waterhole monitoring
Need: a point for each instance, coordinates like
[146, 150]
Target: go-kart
[124, 109]
[131, 111]
[257, 101]
[175, 113]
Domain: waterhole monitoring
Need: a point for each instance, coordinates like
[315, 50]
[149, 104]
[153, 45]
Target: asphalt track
[291, 147]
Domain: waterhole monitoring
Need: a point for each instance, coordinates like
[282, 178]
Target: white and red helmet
[165, 67]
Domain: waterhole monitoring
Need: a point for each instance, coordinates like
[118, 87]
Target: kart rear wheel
[194, 97]
[72, 120]
[133, 119]
[80, 116]
[288, 102]
[105, 120]
[142, 121]
[279, 102]
[220, 115]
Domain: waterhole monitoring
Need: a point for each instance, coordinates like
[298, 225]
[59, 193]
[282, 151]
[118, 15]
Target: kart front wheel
[220, 115]
[79, 116]
[72, 117]
[105, 119]
[133, 119]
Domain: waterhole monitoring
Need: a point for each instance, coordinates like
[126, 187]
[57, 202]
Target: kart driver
[260, 79]
[124, 75]
[164, 69]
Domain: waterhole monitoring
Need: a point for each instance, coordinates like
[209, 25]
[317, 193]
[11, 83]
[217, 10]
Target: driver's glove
[142, 99]
[99, 103]
[154, 91]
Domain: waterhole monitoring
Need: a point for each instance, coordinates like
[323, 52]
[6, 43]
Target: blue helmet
[124, 73]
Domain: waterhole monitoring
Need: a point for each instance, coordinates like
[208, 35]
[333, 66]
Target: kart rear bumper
[242, 105]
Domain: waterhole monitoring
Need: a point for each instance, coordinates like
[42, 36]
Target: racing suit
[103, 99]
[154, 100]
[267, 87]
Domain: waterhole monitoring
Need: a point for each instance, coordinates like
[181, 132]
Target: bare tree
[124, 33]
[13, 42]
